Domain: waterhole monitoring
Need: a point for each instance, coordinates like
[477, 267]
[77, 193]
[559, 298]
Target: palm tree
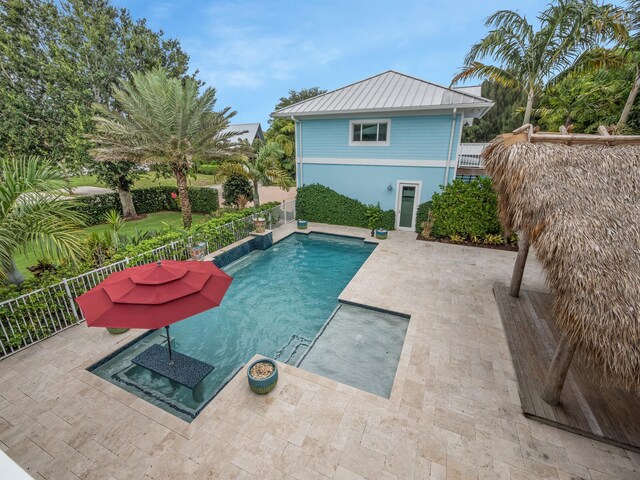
[33, 214]
[528, 59]
[262, 167]
[631, 51]
[163, 121]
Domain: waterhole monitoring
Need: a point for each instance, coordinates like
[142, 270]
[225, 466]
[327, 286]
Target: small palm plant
[261, 168]
[34, 215]
[163, 121]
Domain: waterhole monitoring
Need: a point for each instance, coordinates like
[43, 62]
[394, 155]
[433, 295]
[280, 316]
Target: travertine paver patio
[453, 413]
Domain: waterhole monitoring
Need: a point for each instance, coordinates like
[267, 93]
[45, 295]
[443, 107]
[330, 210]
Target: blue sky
[253, 52]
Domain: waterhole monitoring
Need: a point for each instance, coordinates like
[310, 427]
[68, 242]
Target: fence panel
[39, 314]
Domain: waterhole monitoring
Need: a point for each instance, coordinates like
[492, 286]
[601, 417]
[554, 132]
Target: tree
[632, 52]
[164, 121]
[33, 214]
[261, 168]
[528, 59]
[56, 60]
[234, 188]
[107, 44]
[282, 130]
[39, 92]
[503, 117]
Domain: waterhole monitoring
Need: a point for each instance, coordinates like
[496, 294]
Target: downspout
[298, 145]
[453, 129]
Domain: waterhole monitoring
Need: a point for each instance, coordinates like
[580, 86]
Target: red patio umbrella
[154, 295]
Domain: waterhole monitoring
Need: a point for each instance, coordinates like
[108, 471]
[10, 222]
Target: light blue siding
[368, 183]
[424, 137]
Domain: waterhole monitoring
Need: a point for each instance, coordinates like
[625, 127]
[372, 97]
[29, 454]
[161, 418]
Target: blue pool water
[278, 301]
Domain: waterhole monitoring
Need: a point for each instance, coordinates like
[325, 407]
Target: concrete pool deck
[454, 411]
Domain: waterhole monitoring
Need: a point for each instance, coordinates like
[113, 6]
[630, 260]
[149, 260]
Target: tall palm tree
[263, 167]
[631, 52]
[528, 59]
[163, 121]
[33, 214]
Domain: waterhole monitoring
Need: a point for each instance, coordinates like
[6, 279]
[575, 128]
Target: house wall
[417, 150]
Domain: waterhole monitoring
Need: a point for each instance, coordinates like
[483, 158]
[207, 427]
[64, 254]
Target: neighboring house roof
[253, 131]
[389, 92]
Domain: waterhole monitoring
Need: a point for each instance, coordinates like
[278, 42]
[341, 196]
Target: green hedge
[317, 203]
[208, 168]
[422, 215]
[464, 209]
[147, 200]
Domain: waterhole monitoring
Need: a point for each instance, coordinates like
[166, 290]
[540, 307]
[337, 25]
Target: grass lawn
[153, 221]
[146, 180]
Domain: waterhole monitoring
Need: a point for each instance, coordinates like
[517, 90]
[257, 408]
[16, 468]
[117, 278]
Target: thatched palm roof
[580, 206]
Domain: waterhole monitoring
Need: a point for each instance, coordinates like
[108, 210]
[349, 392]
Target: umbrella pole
[169, 345]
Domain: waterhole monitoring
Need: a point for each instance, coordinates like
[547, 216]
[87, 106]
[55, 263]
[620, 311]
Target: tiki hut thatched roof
[580, 206]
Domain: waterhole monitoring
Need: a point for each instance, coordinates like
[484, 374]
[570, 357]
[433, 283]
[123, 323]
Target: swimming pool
[278, 301]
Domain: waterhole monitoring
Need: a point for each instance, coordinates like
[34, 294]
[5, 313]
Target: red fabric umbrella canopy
[154, 295]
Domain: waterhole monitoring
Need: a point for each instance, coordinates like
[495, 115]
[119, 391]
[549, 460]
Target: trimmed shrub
[208, 168]
[234, 187]
[147, 200]
[422, 215]
[317, 203]
[464, 209]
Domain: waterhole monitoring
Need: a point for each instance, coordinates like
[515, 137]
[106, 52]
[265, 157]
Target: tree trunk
[527, 112]
[558, 370]
[256, 194]
[185, 206]
[518, 268]
[126, 200]
[14, 275]
[630, 100]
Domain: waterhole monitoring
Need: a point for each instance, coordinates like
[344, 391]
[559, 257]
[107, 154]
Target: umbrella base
[184, 370]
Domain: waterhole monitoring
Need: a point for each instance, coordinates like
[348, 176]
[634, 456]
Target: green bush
[147, 200]
[465, 209]
[317, 203]
[208, 168]
[422, 215]
[235, 187]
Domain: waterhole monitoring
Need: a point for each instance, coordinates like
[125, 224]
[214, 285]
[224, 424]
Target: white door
[407, 202]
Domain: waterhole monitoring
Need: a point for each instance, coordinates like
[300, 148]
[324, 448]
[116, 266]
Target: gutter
[453, 129]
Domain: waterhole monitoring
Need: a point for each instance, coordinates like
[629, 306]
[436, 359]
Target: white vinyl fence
[37, 315]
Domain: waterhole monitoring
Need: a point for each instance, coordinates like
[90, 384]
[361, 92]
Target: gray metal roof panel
[389, 90]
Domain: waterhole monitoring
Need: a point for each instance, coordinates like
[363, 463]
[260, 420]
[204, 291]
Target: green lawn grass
[146, 180]
[153, 221]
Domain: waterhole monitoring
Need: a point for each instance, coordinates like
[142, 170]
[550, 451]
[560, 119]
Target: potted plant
[302, 224]
[381, 233]
[374, 219]
[262, 375]
[260, 223]
[197, 250]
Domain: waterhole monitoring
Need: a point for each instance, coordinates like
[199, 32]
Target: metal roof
[252, 130]
[387, 92]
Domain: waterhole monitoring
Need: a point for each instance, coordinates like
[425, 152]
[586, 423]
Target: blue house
[390, 139]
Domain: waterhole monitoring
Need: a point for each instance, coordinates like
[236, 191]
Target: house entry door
[406, 205]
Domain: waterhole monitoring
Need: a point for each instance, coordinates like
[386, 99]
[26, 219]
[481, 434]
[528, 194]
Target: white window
[369, 132]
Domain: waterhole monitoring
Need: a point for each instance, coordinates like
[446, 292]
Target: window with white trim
[369, 132]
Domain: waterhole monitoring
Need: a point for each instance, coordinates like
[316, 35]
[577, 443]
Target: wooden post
[558, 370]
[518, 268]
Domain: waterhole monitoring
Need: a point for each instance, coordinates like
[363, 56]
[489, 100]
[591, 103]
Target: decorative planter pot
[197, 251]
[117, 331]
[381, 233]
[302, 224]
[258, 383]
[260, 224]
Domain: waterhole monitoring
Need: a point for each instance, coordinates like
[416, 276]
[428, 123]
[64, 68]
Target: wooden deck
[604, 414]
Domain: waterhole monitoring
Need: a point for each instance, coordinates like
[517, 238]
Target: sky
[254, 52]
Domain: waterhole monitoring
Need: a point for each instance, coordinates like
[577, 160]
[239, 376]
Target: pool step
[293, 349]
